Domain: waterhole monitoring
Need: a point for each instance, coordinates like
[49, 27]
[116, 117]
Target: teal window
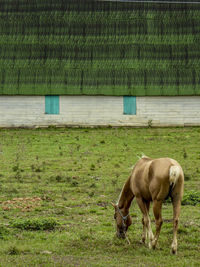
[52, 104]
[129, 105]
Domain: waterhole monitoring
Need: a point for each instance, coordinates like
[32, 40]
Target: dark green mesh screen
[96, 47]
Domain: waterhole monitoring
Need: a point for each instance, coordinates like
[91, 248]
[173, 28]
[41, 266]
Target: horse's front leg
[144, 233]
[146, 219]
[157, 210]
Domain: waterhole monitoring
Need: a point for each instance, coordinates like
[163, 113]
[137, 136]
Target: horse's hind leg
[157, 208]
[146, 220]
[176, 201]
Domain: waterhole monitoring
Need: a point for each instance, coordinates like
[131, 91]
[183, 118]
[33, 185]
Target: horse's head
[123, 221]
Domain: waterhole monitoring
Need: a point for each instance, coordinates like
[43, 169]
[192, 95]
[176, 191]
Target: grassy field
[57, 185]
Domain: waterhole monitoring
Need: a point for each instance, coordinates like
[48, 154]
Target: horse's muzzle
[121, 235]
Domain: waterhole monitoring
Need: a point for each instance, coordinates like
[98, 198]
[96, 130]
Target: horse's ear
[113, 204]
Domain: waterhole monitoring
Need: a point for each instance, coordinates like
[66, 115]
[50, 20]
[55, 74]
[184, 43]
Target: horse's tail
[174, 173]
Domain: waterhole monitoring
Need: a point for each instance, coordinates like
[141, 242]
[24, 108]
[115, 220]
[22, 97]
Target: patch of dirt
[22, 203]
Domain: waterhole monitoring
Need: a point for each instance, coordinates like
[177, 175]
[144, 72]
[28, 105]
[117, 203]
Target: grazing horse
[152, 180]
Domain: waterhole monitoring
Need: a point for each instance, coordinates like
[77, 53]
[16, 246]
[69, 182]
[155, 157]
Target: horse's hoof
[153, 245]
[150, 246]
[174, 248]
[174, 251]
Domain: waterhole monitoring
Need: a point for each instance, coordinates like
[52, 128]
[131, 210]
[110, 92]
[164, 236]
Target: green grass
[56, 186]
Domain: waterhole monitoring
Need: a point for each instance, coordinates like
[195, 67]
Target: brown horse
[152, 180]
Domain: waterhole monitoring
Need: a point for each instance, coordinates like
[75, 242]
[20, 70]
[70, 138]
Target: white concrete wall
[28, 111]
[178, 110]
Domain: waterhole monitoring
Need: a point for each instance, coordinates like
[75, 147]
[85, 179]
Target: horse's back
[159, 168]
[139, 178]
[150, 177]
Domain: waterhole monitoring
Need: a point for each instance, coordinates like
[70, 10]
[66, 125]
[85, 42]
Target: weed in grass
[114, 182]
[182, 230]
[38, 166]
[117, 174]
[11, 190]
[5, 216]
[4, 233]
[32, 167]
[117, 165]
[68, 179]
[81, 212]
[16, 168]
[92, 167]
[58, 178]
[38, 169]
[60, 212]
[184, 154]
[191, 198]
[35, 224]
[13, 250]
[91, 194]
[93, 211]
[18, 176]
[93, 185]
[84, 237]
[74, 183]
[46, 198]
[187, 177]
